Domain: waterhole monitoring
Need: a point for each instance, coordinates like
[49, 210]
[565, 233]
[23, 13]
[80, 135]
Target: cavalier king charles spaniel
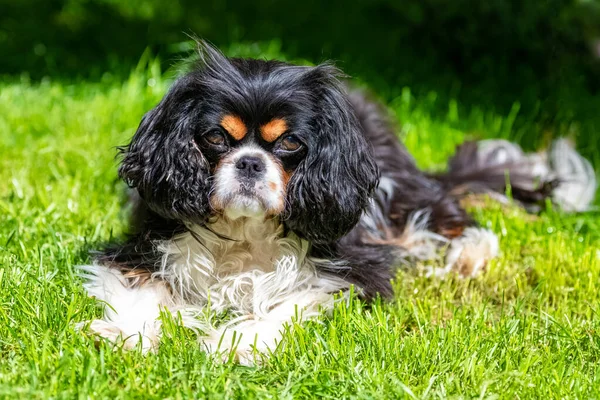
[263, 191]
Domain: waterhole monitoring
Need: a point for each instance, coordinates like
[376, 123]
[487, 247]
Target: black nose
[250, 166]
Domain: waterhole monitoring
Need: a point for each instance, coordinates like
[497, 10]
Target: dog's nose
[250, 166]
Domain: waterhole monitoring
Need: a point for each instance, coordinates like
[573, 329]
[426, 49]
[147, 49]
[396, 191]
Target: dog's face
[250, 138]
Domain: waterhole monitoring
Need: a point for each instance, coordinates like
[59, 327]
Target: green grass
[528, 328]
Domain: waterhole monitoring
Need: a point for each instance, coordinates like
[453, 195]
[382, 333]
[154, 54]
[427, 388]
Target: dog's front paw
[242, 353]
[247, 343]
[146, 340]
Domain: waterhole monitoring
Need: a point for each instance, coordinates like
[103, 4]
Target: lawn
[528, 328]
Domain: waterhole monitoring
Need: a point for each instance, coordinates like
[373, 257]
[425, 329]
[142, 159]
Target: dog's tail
[500, 167]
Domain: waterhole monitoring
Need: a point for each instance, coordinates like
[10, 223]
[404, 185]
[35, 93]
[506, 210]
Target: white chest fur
[246, 266]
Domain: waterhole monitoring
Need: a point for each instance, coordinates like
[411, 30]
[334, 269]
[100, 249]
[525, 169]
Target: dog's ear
[331, 187]
[162, 162]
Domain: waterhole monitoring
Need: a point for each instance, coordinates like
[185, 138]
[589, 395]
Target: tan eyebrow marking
[234, 126]
[273, 129]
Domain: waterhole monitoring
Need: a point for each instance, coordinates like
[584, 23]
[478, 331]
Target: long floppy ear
[331, 187]
[162, 162]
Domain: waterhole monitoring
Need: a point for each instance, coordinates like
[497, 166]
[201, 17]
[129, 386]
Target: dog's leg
[248, 338]
[469, 248]
[131, 314]
[469, 254]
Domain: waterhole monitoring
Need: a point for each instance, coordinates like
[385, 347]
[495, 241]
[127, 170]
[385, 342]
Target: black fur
[349, 145]
[162, 163]
[331, 188]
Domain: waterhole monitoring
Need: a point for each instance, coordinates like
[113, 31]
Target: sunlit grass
[529, 327]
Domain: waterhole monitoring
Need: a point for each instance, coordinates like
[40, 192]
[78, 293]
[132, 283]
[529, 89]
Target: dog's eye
[215, 138]
[290, 143]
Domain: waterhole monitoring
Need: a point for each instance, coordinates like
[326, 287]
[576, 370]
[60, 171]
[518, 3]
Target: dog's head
[250, 138]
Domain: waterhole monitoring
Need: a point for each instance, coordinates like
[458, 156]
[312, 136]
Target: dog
[264, 191]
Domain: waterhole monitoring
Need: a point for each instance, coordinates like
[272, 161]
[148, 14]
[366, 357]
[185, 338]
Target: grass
[528, 328]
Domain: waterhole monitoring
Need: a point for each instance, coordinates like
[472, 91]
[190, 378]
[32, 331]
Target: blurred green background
[537, 58]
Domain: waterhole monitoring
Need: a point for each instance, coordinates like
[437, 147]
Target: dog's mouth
[243, 202]
[247, 190]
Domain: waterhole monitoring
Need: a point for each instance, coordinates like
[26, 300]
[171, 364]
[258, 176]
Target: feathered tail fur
[498, 166]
